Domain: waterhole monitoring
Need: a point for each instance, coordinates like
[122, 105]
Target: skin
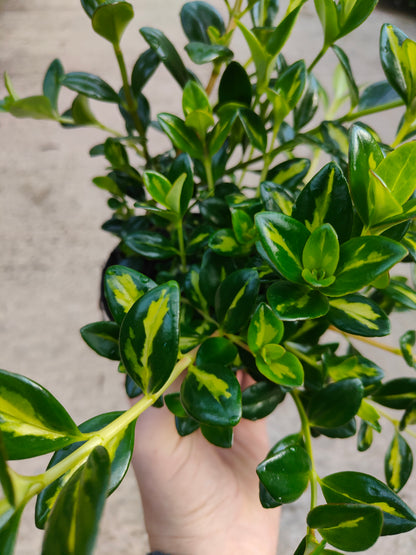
[199, 499]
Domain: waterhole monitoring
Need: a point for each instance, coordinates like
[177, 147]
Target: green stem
[351, 116]
[181, 243]
[208, 171]
[409, 118]
[320, 54]
[303, 356]
[308, 446]
[131, 102]
[29, 486]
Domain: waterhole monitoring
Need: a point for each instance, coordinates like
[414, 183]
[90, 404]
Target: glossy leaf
[167, 54]
[91, 5]
[291, 83]
[73, 523]
[281, 33]
[296, 302]
[356, 366]
[289, 173]
[396, 172]
[356, 487]
[364, 437]
[397, 55]
[81, 111]
[286, 474]
[260, 399]
[216, 350]
[407, 342]
[265, 327]
[151, 245]
[90, 85]
[321, 254]
[345, 64]
[327, 13]
[353, 14]
[181, 135]
[235, 299]
[254, 128]
[9, 525]
[52, 82]
[102, 337]
[32, 421]
[398, 463]
[361, 261]
[120, 450]
[221, 436]
[309, 103]
[409, 416]
[110, 20]
[212, 395]
[283, 239]
[261, 57]
[149, 337]
[235, 85]
[143, 69]
[197, 17]
[280, 366]
[398, 393]
[123, 286]
[358, 315]
[377, 94]
[335, 404]
[401, 293]
[347, 526]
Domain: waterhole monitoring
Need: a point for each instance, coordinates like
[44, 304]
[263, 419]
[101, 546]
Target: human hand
[199, 499]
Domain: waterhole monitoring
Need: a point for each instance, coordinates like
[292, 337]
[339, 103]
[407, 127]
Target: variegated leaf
[32, 421]
[149, 337]
[407, 343]
[265, 327]
[358, 315]
[296, 302]
[280, 366]
[123, 286]
[398, 463]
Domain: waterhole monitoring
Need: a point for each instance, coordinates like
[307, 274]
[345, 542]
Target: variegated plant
[235, 254]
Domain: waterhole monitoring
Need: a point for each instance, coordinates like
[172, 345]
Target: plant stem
[35, 484]
[208, 171]
[351, 116]
[308, 446]
[181, 243]
[318, 57]
[131, 102]
[409, 118]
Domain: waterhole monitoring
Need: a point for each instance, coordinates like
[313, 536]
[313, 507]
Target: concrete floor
[52, 246]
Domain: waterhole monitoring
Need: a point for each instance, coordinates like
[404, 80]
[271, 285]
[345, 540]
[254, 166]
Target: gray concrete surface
[52, 247]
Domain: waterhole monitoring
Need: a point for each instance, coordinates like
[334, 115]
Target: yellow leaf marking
[152, 324]
[359, 262]
[278, 241]
[322, 203]
[265, 331]
[215, 386]
[363, 313]
[124, 290]
[394, 463]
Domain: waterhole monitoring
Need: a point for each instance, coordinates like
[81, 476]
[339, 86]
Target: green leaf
[123, 286]
[359, 488]
[32, 421]
[35, 107]
[356, 366]
[52, 82]
[396, 394]
[397, 55]
[9, 525]
[151, 245]
[90, 85]
[260, 399]
[216, 350]
[335, 404]
[286, 474]
[365, 154]
[235, 85]
[158, 186]
[281, 33]
[407, 342]
[263, 13]
[409, 416]
[396, 172]
[235, 299]
[224, 243]
[212, 395]
[120, 450]
[377, 94]
[197, 17]
[81, 111]
[308, 105]
[167, 54]
[265, 327]
[202, 53]
[279, 366]
[328, 16]
[260, 57]
[364, 437]
[291, 83]
[345, 64]
[149, 337]
[73, 523]
[283, 239]
[358, 315]
[291, 301]
[181, 135]
[361, 261]
[143, 69]
[102, 337]
[289, 173]
[398, 463]
[347, 526]
[195, 98]
[321, 253]
[351, 14]
[254, 127]
[110, 20]
[401, 293]
[5, 478]
[221, 436]
[91, 5]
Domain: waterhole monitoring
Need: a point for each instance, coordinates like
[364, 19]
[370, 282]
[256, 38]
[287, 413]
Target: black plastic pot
[407, 6]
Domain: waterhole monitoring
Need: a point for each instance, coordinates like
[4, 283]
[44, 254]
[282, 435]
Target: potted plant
[238, 252]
